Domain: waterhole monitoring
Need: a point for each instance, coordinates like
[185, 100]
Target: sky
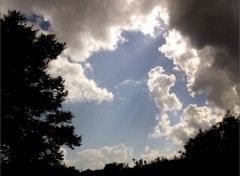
[143, 76]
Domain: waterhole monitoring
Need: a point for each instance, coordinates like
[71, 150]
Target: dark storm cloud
[212, 23]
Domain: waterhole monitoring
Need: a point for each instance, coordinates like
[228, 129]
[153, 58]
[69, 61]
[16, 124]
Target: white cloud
[183, 56]
[79, 87]
[202, 75]
[97, 158]
[159, 85]
[146, 149]
[163, 127]
[151, 154]
[87, 67]
[90, 26]
[130, 82]
[67, 161]
[164, 15]
[192, 119]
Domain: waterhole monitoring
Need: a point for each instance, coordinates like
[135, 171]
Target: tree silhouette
[222, 137]
[216, 149]
[34, 126]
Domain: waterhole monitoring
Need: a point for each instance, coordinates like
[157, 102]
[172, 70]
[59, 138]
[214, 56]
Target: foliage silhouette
[38, 170]
[216, 148]
[34, 126]
[212, 152]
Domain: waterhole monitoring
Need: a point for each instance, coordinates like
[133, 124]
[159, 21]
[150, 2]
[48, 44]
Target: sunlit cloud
[159, 85]
[151, 155]
[97, 158]
[192, 120]
[66, 160]
[88, 27]
[184, 57]
[80, 88]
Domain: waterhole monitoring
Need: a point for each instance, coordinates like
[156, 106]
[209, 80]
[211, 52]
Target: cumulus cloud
[202, 41]
[163, 127]
[221, 90]
[192, 119]
[97, 158]
[67, 161]
[185, 58]
[159, 85]
[151, 154]
[90, 26]
[79, 87]
[202, 75]
[209, 31]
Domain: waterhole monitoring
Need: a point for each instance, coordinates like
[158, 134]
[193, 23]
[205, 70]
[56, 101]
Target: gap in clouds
[130, 61]
[39, 21]
[78, 78]
[128, 120]
[130, 117]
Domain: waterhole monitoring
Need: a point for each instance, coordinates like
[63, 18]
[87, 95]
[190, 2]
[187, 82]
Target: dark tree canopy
[222, 138]
[34, 126]
[216, 149]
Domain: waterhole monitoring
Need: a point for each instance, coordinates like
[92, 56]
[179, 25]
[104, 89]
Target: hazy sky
[143, 75]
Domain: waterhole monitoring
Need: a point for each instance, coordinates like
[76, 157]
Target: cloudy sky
[143, 75]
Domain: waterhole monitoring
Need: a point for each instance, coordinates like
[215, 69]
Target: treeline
[38, 170]
[213, 152]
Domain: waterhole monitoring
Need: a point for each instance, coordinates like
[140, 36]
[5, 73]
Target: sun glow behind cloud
[95, 26]
[86, 33]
